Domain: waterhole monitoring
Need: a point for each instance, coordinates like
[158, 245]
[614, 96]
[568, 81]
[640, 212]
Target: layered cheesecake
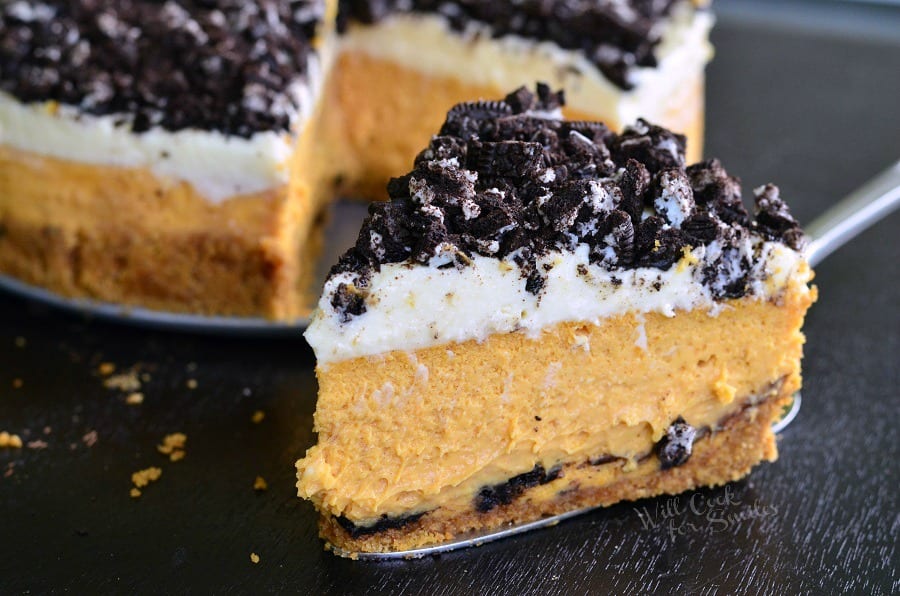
[548, 316]
[162, 154]
[415, 59]
[177, 155]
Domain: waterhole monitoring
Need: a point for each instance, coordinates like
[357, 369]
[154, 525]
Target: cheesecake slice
[162, 155]
[402, 65]
[547, 316]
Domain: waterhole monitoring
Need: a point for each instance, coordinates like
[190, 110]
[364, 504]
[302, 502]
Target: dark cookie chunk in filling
[384, 523]
[490, 497]
[674, 449]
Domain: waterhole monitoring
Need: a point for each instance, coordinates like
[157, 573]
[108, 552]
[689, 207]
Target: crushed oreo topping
[508, 180]
[675, 447]
[614, 36]
[223, 65]
[490, 497]
[773, 219]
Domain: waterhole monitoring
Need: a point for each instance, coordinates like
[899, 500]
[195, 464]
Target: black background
[806, 99]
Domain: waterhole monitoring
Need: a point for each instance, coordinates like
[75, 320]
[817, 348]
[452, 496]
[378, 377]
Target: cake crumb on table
[38, 444]
[134, 399]
[260, 484]
[258, 416]
[135, 493]
[142, 478]
[173, 446]
[10, 440]
[254, 558]
[127, 381]
[106, 368]
[191, 383]
[89, 438]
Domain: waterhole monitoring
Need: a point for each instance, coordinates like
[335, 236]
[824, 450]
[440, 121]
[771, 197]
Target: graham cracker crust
[727, 453]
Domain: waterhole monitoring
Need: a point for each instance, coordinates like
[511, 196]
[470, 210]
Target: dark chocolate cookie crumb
[490, 497]
[502, 182]
[383, 523]
[349, 301]
[653, 146]
[615, 36]
[221, 65]
[674, 449]
[773, 219]
[602, 460]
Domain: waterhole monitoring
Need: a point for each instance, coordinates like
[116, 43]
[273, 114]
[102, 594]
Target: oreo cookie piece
[474, 118]
[774, 220]
[655, 147]
[674, 449]
[515, 159]
[349, 301]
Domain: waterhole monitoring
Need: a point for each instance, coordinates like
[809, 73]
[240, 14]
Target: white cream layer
[410, 307]
[426, 43]
[216, 165]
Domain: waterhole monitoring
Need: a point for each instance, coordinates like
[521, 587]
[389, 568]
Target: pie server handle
[831, 230]
[856, 212]
[844, 221]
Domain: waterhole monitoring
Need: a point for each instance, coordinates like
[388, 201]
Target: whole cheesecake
[178, 155]
[547, 316]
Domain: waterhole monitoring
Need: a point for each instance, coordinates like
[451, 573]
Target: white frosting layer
[216, 165]
[410, 307]
[427, 43]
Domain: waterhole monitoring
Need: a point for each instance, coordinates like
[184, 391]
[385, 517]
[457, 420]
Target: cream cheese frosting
[412, 307]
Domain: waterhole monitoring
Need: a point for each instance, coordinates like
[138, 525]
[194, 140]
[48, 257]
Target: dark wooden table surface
[810, 102]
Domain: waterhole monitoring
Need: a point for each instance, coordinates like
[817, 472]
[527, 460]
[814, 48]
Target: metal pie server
[828, 232]
[841, 223]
